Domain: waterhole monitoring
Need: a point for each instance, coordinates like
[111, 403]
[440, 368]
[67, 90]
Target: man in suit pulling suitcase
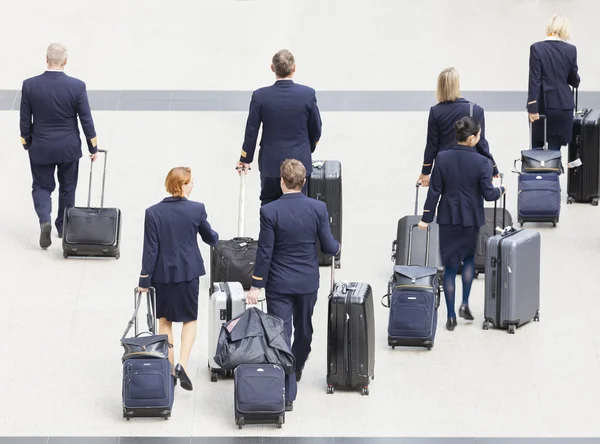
[291, 123]
[287, 266]
[50, 105]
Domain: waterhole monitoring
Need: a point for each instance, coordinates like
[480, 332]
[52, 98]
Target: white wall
[339, 44]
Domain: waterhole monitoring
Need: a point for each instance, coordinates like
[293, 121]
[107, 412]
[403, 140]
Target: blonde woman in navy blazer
[461, 180]
[172, 263]
[442, 117]
[552, 70]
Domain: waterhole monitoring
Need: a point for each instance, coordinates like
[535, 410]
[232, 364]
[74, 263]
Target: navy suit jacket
[50, 105]
[462, 177]
[441, 135]
[291, 126]
[171, 252]
[552, 68]
[286, 260]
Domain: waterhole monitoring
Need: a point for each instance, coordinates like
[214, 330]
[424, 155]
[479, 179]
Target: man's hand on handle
[423, 180]
[423, 225]
[252, 296]
[94, 157]
[242, 167]
[533, 117]
[142, 290]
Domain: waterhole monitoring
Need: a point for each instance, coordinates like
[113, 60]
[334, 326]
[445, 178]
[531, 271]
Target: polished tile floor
[60, 372]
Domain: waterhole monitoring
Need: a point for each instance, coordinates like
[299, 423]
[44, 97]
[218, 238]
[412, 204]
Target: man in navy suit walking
[287, 266]
[50, 105]
[291, 127]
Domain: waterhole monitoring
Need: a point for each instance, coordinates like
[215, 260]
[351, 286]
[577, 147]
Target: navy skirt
[178, 301]
[457, 243]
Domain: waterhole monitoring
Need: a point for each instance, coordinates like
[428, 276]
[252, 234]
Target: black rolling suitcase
[91, 231]
[233, 260]
[583, 182]
[350, 336]
[326, 185]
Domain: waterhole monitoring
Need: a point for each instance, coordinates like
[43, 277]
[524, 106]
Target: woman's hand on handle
[533, 117]
[142, 290]
[423, 225]
[424, 180]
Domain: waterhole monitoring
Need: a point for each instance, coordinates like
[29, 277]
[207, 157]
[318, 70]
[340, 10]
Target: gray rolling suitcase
[402, 254]
[512, 279]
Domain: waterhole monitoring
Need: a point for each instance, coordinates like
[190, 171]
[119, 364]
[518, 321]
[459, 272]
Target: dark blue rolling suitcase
[148, 385]
[259, 394]
[413, 299]
[539, 198]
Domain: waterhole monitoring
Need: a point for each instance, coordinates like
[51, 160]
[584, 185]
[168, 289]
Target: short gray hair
[57, 54]
[283, 63]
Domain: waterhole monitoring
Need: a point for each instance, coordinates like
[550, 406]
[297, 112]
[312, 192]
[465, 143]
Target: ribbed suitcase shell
[583, 182]
[326, 185]
[259, 393]
[350, 336]
[512, 279]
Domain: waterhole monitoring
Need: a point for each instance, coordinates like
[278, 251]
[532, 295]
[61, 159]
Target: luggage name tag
[243, 244]
[543, 162]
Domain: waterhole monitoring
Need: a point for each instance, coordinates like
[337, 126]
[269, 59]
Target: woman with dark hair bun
[460, 181]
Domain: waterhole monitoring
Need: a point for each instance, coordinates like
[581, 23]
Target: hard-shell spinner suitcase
[148, 386]
[413, 299]
[583, 182]
[259, 394]
[92, 231]
[400, 247]
[350, 336]
[227, 300]
[326, 185]
[512, 279]
[233, 260]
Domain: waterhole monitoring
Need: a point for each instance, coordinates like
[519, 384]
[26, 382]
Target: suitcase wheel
[595, 201]
[536, 318]
[213, 376]
[570, 201]
[365, 391]
[65, 255]
[330, 390]
[240, 422]
[117, 256]
[279, 422]
[486, 325]
[511, 329]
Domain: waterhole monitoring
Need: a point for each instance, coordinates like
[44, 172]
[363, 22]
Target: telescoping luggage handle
[503, 206]
[150, 316]
[542, 116]
[242, 205]
[89, 201]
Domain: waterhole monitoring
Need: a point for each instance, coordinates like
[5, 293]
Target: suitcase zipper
[428, 287]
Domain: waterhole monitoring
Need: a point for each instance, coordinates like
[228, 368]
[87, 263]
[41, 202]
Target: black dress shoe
[59, 230]
[185, 381]
[465, 313]
[451, 323]
[289, 406]
[45, 230]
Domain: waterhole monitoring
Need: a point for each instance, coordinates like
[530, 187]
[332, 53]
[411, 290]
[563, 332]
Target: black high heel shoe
[465, 313]
[185, 381]
[451, 323]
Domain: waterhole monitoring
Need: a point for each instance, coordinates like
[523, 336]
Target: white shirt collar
[54, 70]
[552, 37]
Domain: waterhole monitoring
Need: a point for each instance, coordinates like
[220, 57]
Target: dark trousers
[44, 185]
[270, 189]
[296, 310]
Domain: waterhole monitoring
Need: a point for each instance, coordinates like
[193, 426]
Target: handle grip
[542, 116]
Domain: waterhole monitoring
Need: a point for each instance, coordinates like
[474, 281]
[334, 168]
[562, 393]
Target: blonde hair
[176, 179]
[559, 26]
[293, 174]
[448, 86]
[283, 63]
